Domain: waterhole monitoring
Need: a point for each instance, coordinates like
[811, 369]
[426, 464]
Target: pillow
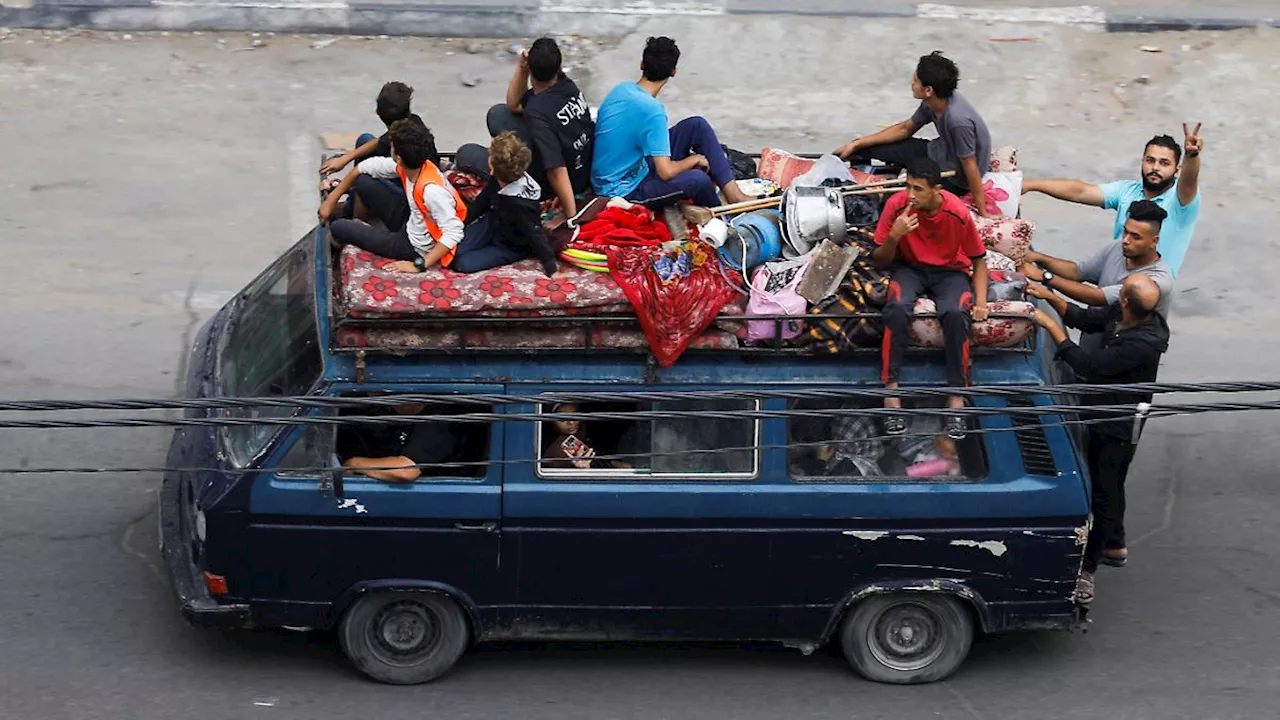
[992, 332]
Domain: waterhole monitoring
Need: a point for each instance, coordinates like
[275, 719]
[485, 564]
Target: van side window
[854, 448]
[311, 453]
[444, 449]
[654, 447]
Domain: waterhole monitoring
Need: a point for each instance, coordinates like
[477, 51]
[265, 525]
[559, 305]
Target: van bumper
[198, 607]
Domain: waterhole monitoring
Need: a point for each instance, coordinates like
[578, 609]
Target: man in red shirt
[927, 236]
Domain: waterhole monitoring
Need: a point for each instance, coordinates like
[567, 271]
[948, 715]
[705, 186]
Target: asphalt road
[148, 178]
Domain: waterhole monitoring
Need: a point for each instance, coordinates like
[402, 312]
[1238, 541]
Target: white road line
[1065, 15]
[304, 183]
[633, 7]
[263, 4]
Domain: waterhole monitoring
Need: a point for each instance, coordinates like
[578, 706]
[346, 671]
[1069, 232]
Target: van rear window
[854, 448]
[615, 445]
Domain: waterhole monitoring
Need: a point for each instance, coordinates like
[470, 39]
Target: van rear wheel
[907, 638]
[404, 638]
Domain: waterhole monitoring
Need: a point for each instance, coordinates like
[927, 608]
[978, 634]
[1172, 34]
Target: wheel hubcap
[906, 637]
[403, 633]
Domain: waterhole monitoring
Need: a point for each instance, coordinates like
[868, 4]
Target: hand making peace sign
[1192, 141]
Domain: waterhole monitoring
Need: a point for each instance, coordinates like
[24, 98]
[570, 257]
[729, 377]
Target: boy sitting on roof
[392, 105]
[928, 237]
[433, 228]
[506, 219]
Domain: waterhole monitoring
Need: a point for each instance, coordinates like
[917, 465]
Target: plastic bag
[742, 164]
[674, 313]
[1005, 285]
[825, 168]
[773, 292]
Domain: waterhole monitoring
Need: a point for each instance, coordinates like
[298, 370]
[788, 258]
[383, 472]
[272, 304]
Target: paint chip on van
[995, 547]
[865, 534]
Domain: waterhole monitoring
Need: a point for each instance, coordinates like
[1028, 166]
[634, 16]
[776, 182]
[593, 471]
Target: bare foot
[733, 194]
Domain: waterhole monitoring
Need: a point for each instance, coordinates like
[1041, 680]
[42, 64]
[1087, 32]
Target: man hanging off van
[426, 232]
[638, 158]
[928, 238]
[963, 143]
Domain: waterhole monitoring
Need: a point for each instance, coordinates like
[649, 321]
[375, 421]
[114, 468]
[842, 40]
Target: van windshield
[270, 347]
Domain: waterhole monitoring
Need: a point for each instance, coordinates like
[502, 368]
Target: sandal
[1084, 588]
[895, 425]
[956, 427]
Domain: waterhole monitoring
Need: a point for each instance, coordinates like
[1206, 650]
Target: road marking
[264, 4]
[634, 7]
[1088, 15]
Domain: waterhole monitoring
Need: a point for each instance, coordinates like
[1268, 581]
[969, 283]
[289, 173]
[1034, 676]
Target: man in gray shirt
[1137, 252]
[963, 144]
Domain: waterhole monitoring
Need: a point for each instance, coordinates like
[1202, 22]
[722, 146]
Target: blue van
[720, 517]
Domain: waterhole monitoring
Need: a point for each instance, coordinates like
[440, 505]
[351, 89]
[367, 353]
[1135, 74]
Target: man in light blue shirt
[1175, 191]
[638, 158]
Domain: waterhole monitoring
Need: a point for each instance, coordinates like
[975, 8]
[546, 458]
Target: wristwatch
[420, 263]
[1046, 276]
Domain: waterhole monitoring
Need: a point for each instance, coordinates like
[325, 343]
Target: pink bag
[773, 292]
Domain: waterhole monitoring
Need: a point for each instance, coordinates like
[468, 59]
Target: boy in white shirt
[431, 230]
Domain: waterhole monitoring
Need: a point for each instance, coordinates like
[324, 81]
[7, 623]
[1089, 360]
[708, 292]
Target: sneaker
[1084, 588]
[895, 425]
[956, 427]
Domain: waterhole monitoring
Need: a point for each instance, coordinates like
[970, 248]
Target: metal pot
[811, 214]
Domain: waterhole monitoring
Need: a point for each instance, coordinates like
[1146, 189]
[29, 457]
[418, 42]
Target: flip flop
[1084, 588]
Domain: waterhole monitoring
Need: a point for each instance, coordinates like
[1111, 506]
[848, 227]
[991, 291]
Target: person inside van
[928, 238]
[393, 453]
[570, 447]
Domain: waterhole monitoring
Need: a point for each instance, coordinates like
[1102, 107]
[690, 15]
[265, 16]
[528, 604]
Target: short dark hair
[1167, 142]
[939, 73]
[660, 58]
[544, 59]
[1147, 211]
[393, 102]
[413, 142]
[923, 168]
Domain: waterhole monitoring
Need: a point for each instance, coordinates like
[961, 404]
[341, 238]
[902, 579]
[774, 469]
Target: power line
[327, 470]
[310, 401]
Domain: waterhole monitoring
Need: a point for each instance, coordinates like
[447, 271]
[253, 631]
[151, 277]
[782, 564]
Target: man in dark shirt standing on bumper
[927, 236]
[1136, 336]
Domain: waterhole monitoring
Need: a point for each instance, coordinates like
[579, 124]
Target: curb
[518, 18]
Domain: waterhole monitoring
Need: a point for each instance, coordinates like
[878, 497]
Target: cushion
[1008, 236]
[992, 332]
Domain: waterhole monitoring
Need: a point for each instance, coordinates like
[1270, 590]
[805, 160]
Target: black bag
[742, 164]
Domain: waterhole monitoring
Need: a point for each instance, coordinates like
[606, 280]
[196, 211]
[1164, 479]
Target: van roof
[458, 363]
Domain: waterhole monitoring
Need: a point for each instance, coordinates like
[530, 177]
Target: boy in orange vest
[431, 230]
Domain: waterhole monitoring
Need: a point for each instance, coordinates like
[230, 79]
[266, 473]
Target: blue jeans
[482, 248]
[689, 136]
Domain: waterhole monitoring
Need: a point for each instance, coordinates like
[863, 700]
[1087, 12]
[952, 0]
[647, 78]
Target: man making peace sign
[1170, 178]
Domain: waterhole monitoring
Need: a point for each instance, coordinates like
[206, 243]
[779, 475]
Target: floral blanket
[521, 289]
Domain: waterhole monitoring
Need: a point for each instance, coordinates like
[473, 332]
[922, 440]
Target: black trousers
[1109, 458]
[388, 205]
[901, 153]
[952, 292]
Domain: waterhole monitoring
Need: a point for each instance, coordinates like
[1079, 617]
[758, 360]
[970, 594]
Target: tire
[404, 638]
[907, 638]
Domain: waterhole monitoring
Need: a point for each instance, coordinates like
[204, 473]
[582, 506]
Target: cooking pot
[810, 215]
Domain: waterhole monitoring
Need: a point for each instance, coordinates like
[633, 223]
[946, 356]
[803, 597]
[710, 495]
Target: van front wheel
[907, 638]
[404, 638]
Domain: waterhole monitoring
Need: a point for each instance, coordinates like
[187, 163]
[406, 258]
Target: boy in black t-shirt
[547, 111]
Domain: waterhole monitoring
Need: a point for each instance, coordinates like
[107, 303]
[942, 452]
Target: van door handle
[488, 526]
